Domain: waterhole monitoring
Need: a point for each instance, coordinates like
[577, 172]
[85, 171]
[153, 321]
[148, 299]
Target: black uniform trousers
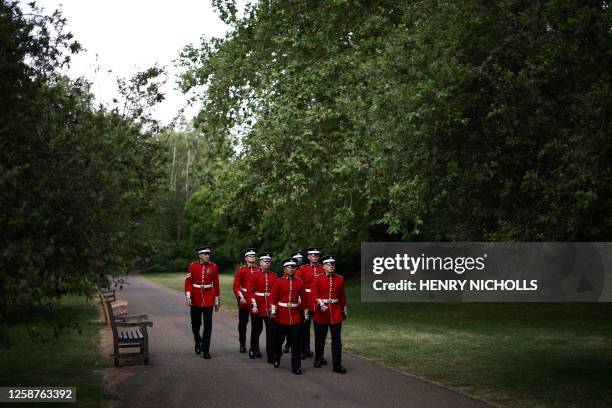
[243, 320]
[288, 342]
[292, 332]
[305, 334]
[257, 323]
[288, 339]
[197, 313]
[336, 343]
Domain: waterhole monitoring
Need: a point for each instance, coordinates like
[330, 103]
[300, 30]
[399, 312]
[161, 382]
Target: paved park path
[177, 377]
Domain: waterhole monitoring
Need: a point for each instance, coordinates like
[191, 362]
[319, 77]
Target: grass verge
[176, 280]
[72, 360]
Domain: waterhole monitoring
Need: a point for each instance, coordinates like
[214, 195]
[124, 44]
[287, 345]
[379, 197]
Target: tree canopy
[412, 120]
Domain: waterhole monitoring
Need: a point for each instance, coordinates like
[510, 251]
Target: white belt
[243, 289]
[283, 304]
[307, 290]
[202, 286]
[330, 300]
[262, 293]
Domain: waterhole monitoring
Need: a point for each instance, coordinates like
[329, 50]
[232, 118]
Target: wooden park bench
[119, 307]
[120, 281]
[129, 332]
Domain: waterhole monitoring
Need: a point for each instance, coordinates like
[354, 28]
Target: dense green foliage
[191, 161]
[77, 181]
[412, 120]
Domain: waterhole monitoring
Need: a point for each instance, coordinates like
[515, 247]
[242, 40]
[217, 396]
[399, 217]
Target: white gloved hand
[242, 301]
[323, 308]
[254, 310]
[188, 298]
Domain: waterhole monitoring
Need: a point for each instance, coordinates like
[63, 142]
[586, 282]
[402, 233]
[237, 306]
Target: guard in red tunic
[202, 294]
[241, 281]
[286, 310]
[330, 311]
[307, 273]
[258, 290]
[299, 260]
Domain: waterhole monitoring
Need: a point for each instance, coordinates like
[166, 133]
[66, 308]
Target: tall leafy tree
[77, 180]
[415, 120]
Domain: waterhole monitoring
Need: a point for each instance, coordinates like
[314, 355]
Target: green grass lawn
[515, 354]
[71, 361]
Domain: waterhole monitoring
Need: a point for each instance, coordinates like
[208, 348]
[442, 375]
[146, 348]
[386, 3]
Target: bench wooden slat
[130, 335]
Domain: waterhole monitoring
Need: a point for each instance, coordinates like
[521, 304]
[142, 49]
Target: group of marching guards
[285, 305]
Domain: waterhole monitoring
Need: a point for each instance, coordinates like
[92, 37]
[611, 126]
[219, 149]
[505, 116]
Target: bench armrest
[136, 317]
[133, 324]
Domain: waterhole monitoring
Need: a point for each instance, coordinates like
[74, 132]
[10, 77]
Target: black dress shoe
[242, 349]
[287, 348]
[276, 363]
[323, 361]
[206, 355]
[258, 354]
[297, 371]
[317, 363]
[339, 370]
[197, 349]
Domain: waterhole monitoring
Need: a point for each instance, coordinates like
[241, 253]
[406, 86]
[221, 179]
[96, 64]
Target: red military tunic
[202, 283]
[284, 298]
[307, 273]
[241, 282]
[258, 289]
[328, 290]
